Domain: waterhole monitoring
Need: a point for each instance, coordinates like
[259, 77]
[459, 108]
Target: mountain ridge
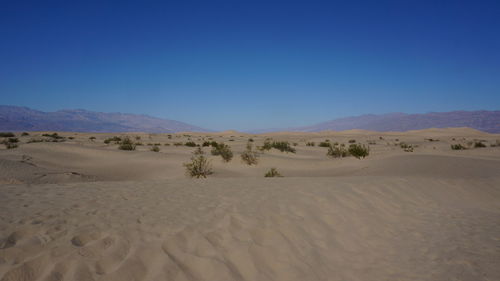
[16, 118]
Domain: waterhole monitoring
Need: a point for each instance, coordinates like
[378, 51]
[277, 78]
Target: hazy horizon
[248, 66]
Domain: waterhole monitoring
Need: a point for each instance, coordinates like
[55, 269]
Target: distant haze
[14, 118]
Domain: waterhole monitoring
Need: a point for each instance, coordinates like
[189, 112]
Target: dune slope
[344, 228]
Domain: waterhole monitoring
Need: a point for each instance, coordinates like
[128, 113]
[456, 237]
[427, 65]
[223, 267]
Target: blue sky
[251, 64]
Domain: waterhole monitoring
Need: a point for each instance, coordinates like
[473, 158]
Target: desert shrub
[267, 145]
[310, 143]
[295, 144]
[169, 137]
[177, 143]
[190, 144]
[155, 148]
[337, 151]
[224, 151]
[273, 172]
[10, 145]
[206, 143]
[431, 139]
[406, 147]
[457, 147]
[352, 141]
[12, 140]
[231, 140]
[200, 166]
[283, 146]
[7, 134]
[249, 156]
[324, 144]
[250, 140]
[32, 140]
[372, 142]
[359, 151]
[126, 144]
[92, 138]
[53, 135]
[25, 134]
[114, 139]
[479, 144]
[71, 138]
[137, 137]
[150, 144]
[166, 144]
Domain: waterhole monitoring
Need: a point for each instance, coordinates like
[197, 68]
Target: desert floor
[85, 210]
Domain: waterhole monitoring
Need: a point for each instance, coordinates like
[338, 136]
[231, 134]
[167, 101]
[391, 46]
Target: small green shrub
[114, 139]
[10, 145]
[406, 147]
[155, 148]
[310, 143]
[249, 156]
[25, 134]
[7, 134]
[224, 151]
[479, 144]
[177, 143]
[337, 151]
[53, 135]
[273, 172]
[324, 144]
[457, 147]
[283, 146]
[359, 151]
[190, 144]
[352, 141]
[92, 138]
[126, 144]
[206, 143]
[200, 166]
[267, 145]
[250, 140]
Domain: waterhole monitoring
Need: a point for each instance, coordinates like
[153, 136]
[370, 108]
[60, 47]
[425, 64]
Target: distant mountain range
[15, 118]
[486, 121]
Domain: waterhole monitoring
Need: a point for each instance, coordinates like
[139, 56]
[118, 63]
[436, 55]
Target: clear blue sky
[251, 64]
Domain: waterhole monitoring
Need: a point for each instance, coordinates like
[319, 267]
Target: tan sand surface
[84, 210]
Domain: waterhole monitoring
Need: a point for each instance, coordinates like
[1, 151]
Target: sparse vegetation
[337, 151]
[479, 144]
[92, 138]
[155, 148]
[190, 144]
[200, 166]
[406, 147]
[249, 156]
[283, 146]
[7, 134]
[359, 151]
[223, 150]
[352, 141]
[126, 144]
[325, 143]
[272, 173]
[458, 147]
[53, 135]
[114, 139]
[10, 143]
[311, 143]
[25, 134]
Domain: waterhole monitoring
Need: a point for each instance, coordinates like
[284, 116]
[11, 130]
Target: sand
[84, 210]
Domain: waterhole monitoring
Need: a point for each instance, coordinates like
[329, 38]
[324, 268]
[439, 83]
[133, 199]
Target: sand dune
[84, 210]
